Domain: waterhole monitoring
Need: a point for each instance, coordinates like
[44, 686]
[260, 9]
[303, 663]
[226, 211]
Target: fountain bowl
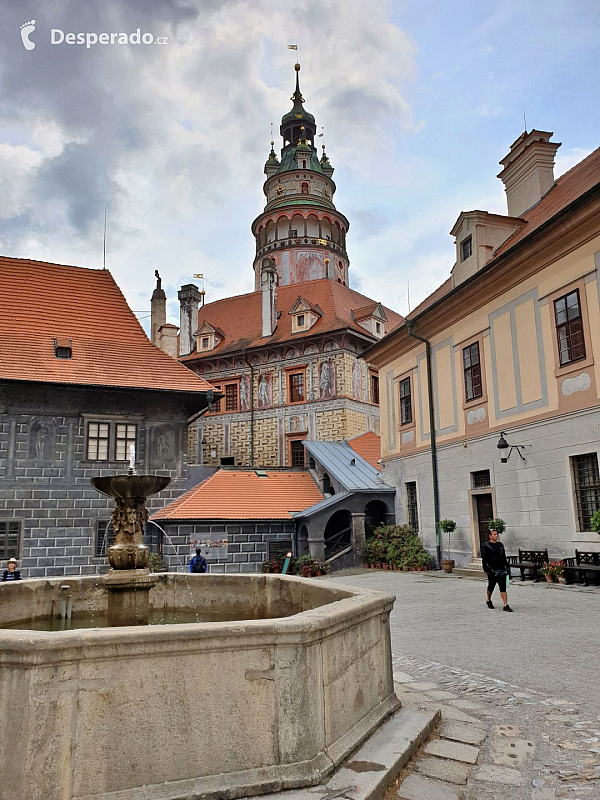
[128, 487]
[274, 699]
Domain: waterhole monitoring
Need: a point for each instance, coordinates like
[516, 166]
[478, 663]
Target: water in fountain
[185, 566]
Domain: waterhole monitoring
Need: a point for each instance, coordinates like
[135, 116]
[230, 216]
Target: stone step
[470, 572]
[369, 771]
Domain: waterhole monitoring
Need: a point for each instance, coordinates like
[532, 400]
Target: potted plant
[549, 571]
[595, 525]
[447, 526]
[559, 571]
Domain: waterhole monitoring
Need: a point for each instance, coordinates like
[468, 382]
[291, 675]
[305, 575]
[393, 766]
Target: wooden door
[485, 513]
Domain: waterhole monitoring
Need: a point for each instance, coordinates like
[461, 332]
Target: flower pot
[386, 566]
[448, 565]
[562, 579]
[378, 565]
[550, 578]
[404, 569]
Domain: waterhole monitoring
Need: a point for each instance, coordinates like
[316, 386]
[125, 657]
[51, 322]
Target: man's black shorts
[499, 580]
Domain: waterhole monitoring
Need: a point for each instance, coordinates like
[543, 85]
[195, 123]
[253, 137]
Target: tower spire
[297, 96]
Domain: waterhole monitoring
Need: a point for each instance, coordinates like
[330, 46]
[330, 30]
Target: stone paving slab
[418, 787]
[492, 774]
[459, 732]
[444, 770]
[453, 750]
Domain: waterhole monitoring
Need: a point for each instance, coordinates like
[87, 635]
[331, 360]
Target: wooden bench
[529, 559]
[582, 563]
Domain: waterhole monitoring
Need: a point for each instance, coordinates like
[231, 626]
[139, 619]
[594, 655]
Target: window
[231, 397]
[472, 368]
[378, 327]
[278, 548]
[412, 508]
[97, 441]
[105, 537]
[405, 402]
[481, 478]
[466, 249]
[10, 535]
[296, 384]
[587, 488]
[294, 232]
[569, 328]
[300, 321]
[126, 437]
[205, 342]
[62, 348]
[296, 453]
[304, 188]
[215, 407]
[375, 389]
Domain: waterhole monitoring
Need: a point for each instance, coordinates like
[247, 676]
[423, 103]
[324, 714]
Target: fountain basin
[186, 711]
[128, 487]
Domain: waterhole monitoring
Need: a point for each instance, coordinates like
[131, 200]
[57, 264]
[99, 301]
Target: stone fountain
[129, 580]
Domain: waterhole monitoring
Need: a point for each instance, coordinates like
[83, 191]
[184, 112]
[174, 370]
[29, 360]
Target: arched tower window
[304, 188]
[304, 167]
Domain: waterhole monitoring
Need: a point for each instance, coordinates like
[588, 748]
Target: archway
[303, 541]
[327, 487]
[375, 515]
[338, 533]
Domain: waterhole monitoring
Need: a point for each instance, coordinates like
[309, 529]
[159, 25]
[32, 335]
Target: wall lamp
[506, 448]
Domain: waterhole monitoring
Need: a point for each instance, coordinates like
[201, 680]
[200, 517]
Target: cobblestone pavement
[530, 722]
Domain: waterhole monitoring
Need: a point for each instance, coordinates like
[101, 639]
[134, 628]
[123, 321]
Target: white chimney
[528, 170]
[189, 300]
[158, 309]
[268, 288]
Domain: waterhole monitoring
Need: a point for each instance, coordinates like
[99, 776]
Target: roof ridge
[96, 270]
[575, 166]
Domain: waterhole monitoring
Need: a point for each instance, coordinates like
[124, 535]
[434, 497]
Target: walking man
[198, 562]
[495, 565]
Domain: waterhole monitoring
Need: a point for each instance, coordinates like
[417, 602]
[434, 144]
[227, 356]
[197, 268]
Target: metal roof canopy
[344, 464]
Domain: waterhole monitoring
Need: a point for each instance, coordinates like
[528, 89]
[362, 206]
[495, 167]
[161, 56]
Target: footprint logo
[26, 29]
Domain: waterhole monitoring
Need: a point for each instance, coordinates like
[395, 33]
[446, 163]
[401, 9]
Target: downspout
[434, 469]
[251, 407]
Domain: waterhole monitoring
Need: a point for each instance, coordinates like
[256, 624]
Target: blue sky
[419, 102]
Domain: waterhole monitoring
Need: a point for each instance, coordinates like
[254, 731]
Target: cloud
[485, 110]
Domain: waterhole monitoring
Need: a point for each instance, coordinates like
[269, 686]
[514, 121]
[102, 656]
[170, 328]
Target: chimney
[528, 170]
[167, 339]
[268, 289]
[158, 309]
[189, 299]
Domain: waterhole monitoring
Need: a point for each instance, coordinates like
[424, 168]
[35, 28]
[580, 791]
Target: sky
[418, 100]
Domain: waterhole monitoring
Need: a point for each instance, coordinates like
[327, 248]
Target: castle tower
[300, 231]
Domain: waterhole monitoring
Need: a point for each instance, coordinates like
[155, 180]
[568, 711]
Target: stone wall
[246, 548]
[45, 480]
[535, 498]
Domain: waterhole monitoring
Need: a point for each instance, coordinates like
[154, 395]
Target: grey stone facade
[247, 543]
[45, 475]
[535, 498]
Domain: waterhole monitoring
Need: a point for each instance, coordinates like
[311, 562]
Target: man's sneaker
[507, 608]
[489, 604]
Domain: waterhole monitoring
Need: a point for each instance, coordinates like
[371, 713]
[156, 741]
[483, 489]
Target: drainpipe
[434, 469]
[251, 407]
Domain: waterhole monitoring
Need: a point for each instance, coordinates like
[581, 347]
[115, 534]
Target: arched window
[304, 166]
[304, 188]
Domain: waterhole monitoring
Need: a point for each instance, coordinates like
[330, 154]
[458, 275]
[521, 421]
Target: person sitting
[198, 562]
[12, 573]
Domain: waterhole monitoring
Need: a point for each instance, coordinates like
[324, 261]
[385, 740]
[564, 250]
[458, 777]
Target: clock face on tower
[279, 189]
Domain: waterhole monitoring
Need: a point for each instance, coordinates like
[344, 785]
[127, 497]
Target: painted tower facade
[300, 232]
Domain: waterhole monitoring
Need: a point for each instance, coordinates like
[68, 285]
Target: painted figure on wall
[309, 267]
[244, 394]
[356, 381]
[41, 440]
[264, 390]
[327, 380]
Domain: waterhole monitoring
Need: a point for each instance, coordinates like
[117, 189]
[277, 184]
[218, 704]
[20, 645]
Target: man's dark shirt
[11, 576]
[493, 557]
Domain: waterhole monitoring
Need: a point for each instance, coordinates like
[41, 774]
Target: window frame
[412, 504]
[402, 401]
[128, 439]
[374, 387]
[577, 490]
[468, 240]
[290, 376]
[566, 326]
[98, 439]
[235, 385]
[291, 444]
[8, 521]
[472, 372]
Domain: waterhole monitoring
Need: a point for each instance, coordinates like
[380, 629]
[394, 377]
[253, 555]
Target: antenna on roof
[408, 294]
[525, 122]
[104, 249]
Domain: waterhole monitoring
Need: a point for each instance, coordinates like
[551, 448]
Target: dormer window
[378, 328]
[300, 320]
[63, 348]
[466, 248]
[205, 343]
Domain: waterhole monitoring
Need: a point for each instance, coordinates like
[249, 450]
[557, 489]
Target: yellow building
[512, 342]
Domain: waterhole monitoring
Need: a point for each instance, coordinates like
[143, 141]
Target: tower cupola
[298, 117]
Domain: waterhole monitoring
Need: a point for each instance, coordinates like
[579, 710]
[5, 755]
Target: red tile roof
[240, 317]
[242, 494]
[367, 445]
[41, 302]
[574, 183]
[578, 180]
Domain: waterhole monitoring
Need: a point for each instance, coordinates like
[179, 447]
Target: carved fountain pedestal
[129, 580]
